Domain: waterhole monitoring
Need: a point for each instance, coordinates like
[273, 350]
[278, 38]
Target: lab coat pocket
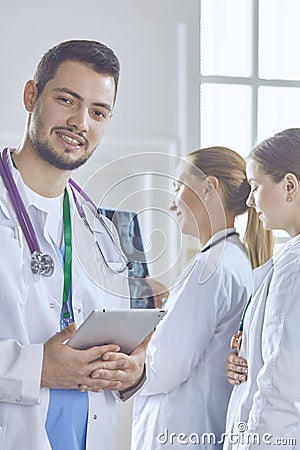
[2, 436]
[15, 264]
[11, 238]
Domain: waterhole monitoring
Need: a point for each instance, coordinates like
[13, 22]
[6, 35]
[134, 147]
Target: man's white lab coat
[30, 314]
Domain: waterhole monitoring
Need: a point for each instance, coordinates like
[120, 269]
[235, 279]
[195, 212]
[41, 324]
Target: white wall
[158, 90]
[157, 109]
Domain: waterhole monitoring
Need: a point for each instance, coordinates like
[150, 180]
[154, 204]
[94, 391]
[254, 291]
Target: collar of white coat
[261, 272]
[5, 201]
[210, 259]
[291, 244]
[218, 235]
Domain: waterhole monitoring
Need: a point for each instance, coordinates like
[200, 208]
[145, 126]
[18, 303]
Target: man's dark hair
[100, 57]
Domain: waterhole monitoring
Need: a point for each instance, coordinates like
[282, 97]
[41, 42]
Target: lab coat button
[95, 416]
[51, 305]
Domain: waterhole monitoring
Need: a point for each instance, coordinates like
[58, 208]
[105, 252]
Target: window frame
[254, 81]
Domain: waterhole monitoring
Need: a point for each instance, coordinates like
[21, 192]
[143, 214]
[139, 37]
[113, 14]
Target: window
[249, 72]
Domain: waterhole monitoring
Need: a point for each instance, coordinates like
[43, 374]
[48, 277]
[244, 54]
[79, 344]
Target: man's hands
[126, 377]
[67, 368]
[236, 369]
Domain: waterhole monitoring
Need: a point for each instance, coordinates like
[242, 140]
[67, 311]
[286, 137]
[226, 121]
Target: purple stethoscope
[43, 264]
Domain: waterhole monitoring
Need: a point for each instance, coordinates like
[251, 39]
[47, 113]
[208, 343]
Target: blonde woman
[186, 392]
[264, 411]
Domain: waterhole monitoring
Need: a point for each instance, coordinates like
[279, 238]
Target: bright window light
[226, 116]
[226, 37]
[249, 73]
[279, 37]
[278, 109]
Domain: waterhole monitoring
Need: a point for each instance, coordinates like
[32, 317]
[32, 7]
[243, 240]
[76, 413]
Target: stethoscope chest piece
[42, 264]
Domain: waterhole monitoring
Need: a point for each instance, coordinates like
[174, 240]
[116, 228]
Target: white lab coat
[30, 314]
[268, 403]
[186, 389]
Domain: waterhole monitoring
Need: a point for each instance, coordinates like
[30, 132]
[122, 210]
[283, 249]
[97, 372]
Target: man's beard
[60, 161]
[48, 154]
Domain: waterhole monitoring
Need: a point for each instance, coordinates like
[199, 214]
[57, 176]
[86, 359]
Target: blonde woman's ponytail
[230, 169]
[258, 241]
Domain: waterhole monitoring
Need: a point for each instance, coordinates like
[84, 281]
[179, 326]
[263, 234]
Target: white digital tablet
[126, 328]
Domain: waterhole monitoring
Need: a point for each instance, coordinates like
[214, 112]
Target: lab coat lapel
[260, 274]
[263, 274]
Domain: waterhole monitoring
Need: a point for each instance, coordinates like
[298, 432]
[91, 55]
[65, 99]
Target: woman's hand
[236, 369]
